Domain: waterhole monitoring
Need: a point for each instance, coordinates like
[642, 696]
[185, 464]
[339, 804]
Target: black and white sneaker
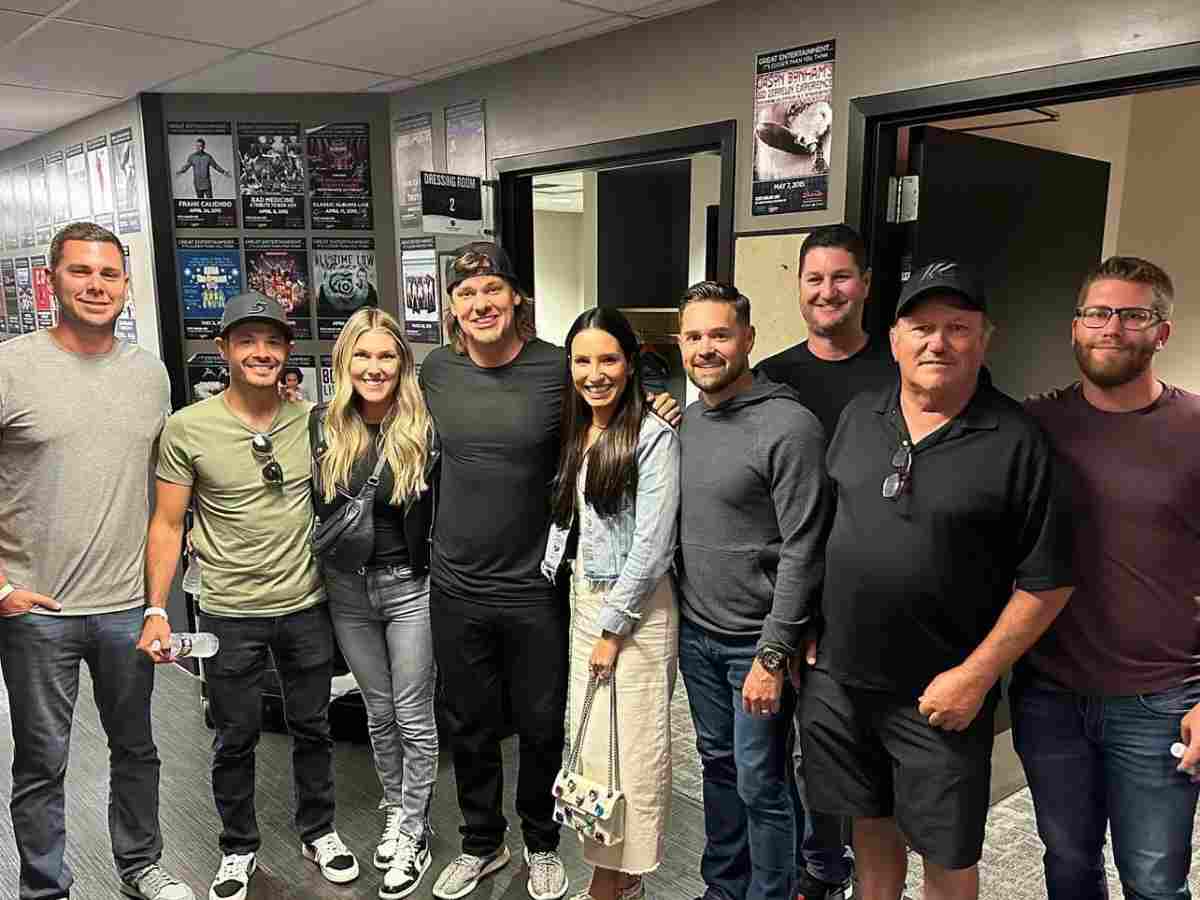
[233, 876]
[385, 850]
[409, 865]
[337, 864]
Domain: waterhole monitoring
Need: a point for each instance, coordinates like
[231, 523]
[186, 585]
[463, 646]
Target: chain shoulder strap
[574, 763]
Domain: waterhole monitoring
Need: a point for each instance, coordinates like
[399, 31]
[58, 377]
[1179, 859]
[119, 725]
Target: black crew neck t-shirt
[825, 386]
[914, 585]
[499, 432]
[391, 548]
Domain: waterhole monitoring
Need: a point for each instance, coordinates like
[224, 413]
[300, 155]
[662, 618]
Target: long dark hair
[612, 466]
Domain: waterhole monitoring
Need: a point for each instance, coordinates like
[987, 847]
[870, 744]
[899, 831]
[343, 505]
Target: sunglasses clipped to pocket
[263, 449]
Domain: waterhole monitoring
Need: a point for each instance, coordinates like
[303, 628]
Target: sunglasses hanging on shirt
[262, 448]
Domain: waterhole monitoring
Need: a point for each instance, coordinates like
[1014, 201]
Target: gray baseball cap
[254, 307]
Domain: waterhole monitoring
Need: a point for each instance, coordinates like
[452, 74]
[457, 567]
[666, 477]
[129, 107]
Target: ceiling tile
[569, 36]
[72, 57]
[232, 23]
[12, 138]
[262, 73]
[13, 23]
[35, 110]
[400, 37]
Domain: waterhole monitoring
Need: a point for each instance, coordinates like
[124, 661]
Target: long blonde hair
[405, 430]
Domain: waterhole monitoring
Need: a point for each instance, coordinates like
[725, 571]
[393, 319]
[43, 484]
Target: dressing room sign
[451, 204]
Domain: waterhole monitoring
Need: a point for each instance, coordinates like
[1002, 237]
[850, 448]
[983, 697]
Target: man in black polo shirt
[947, 559]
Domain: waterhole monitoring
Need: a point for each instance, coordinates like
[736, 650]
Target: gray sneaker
[153, 883]
[547, 877]
[465, 871]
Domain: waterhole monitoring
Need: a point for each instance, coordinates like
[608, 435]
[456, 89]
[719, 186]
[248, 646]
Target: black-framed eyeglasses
[1135, 318]
[261, 447]
[894, 484]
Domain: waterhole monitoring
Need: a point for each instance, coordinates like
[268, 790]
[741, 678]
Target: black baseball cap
[479, 258]
[942, 276]
[254, 307]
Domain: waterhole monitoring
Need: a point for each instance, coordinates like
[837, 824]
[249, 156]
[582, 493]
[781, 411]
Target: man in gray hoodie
[753, 517]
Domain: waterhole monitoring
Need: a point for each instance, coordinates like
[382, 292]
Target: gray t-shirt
[77, 449]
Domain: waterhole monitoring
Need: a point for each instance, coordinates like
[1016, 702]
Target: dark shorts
[870, 754]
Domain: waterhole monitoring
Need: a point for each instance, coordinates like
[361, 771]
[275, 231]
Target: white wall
[140, 244]
[557, 272]
[706, 192]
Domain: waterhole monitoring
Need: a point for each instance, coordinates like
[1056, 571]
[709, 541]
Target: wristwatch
[771, 659]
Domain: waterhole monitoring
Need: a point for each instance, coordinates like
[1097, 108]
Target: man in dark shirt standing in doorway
[838, 361]
[1099, 701]
[498, 626]
[948, 558]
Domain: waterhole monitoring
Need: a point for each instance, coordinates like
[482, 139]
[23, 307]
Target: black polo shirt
[914, 585]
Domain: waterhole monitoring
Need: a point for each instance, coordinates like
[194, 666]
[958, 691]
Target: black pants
[302, 645]
[482, 652]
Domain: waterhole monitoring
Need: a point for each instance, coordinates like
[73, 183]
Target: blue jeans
[301, 644]
[40, 656]
[749, 819]
[1092, 761]
[381, 620]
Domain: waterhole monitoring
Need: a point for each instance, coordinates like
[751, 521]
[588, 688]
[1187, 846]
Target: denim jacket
[629, 553]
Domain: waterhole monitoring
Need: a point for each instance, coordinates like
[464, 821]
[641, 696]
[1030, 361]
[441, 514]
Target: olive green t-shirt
[251, 538]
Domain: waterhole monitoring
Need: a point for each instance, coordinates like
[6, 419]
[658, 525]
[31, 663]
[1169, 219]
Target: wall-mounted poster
[793, 128]
[207, 374]
[278, 267]
[25, 300]
[10, 239]
[125, 181]
[272, 174]
[298, 383]
[339, 174]
[201, 156]
[326, 377]
[56, 182]
[8, 277]
[40, 201]
[125, 328]
[421, 298]
[344, 276]
[412, 153]
[45, 304]
[210, 272]
[466, 141]
[80, 200]
[24, 199]
[100, 175]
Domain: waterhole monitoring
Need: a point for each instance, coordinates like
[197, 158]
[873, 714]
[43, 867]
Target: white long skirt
[645, 675]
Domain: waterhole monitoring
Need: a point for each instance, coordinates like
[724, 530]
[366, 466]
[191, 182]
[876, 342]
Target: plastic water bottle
[197, 645]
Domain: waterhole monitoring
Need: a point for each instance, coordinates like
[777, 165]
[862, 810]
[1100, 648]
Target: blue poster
[210, 272]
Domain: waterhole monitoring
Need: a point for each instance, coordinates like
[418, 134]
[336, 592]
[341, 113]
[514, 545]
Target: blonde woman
[381, 611]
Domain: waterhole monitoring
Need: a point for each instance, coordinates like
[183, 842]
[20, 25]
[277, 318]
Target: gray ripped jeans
[381, 618]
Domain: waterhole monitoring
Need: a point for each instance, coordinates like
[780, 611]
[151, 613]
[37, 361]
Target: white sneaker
[385, 851]
[153, 883]
[464, 872]
[337, 864]
[547, 877]
[409, 866]
[233, 876]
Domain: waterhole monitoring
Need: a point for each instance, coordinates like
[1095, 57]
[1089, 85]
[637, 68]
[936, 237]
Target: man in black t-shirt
[500, 630]
[947, 559]
[839, 360]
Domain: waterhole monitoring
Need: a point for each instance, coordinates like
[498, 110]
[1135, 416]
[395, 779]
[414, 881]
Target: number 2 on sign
[451, 204]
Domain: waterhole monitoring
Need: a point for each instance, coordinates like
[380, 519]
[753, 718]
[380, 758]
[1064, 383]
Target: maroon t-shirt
[1133, 624]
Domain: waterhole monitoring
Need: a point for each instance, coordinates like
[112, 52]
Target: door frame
[513, 209]
[875, 121]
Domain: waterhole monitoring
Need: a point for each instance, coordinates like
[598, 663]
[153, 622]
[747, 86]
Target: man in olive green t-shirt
[243, 458]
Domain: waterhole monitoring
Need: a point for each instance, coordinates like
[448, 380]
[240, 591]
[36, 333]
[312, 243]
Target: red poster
[43, 298]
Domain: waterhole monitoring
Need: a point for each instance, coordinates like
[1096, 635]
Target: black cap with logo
[254, 307]
[479, 258]
[941, 277]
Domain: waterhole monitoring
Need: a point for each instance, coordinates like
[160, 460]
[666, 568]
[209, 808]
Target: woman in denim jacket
[618, 484]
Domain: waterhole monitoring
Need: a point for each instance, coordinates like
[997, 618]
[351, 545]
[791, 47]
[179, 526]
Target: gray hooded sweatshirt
[754, 512]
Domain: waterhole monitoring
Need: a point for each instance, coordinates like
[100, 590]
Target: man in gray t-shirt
[201, 163]
[80, 415]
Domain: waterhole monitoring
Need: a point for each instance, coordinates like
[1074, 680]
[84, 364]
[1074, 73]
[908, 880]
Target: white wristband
[6, 590]
[154, 611]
